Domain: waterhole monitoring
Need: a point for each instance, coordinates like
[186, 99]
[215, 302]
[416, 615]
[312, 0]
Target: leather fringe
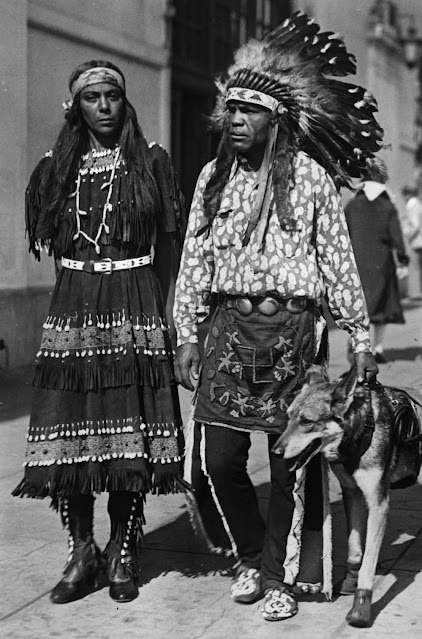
[33, 209]
[327, 542]
[198, 525]
[125, 224]
[94, 478]
[80, 375]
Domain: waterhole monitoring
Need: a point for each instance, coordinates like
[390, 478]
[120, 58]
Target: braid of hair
[219, 178]
[282, 172]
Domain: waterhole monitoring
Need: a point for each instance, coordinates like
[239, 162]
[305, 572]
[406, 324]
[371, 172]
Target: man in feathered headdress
[267, 240]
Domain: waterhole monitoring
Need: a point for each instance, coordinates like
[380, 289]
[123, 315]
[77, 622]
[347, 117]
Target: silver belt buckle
[106, 266]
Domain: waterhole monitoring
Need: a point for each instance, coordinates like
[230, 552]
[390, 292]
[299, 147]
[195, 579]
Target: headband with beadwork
[95, 76]
[252, 97]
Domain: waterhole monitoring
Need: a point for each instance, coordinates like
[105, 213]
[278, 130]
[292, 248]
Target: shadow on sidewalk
[396, 556]
[175, 548]
[410, 353]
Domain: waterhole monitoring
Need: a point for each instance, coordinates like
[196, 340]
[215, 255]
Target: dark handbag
[408, 431]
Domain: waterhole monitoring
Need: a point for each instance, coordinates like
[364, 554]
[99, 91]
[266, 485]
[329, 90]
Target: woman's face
[102, 107]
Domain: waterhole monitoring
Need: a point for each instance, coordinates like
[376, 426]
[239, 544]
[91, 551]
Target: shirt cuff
[361, 342]
[187, 334]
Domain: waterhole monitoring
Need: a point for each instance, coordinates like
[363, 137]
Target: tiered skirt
[105, 412]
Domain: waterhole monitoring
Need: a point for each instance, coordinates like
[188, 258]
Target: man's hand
[366, 367]
[186, 365]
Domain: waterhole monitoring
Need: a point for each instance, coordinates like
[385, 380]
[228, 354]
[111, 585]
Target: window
[206, 32]
[205, 35]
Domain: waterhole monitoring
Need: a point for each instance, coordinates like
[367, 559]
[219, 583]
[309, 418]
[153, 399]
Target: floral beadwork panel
[252, 368]
[313, 261]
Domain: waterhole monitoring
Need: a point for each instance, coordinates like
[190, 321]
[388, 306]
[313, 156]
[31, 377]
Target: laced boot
[125, 510]
[81, 570]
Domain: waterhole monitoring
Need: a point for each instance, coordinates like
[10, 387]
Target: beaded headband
[252, 96]
[95, 76]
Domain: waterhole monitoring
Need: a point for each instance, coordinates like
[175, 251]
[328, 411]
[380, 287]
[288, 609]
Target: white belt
[106, 265]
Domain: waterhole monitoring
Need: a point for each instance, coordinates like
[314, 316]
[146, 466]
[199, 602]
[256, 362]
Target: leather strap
[369, 426]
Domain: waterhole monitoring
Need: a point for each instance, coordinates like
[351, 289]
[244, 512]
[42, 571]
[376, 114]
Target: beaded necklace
[88, 165]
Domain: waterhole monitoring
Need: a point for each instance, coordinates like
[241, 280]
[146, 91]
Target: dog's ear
[344, 392]
[315, 374]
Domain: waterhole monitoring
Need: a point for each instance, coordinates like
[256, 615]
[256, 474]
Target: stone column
[13, 143]
[13, 137]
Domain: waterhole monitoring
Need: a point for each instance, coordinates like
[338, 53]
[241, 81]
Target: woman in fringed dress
[105, 413]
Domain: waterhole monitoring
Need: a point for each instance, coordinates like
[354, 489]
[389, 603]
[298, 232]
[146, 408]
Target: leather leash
[369, 427]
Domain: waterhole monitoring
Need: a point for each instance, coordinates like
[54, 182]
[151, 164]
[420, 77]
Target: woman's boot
[81, 570]
[125, 510]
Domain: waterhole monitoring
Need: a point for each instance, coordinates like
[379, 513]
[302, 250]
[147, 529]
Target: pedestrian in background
[412, 225]
[105, 413]
[380, 254]
[267, 238]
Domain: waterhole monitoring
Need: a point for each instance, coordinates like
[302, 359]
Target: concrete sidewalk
[184, 593]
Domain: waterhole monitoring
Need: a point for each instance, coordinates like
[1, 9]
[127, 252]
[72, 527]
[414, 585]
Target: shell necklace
[107, 206]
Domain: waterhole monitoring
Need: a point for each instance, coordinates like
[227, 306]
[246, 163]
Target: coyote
[371, 437]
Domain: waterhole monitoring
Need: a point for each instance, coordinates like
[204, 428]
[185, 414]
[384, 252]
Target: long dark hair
[73, 141]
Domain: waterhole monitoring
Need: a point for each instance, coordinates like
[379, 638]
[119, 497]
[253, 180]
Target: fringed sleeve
[171, 229]
[173, 218]
[38, 232]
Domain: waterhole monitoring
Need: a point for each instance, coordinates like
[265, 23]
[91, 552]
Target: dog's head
[315, 418]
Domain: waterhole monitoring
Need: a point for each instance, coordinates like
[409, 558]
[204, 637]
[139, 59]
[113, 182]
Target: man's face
[102, 109]
[249, 125]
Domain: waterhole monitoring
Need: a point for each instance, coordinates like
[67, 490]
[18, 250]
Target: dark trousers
[228, 503]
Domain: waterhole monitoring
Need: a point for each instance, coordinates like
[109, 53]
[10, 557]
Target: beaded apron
[253, 367]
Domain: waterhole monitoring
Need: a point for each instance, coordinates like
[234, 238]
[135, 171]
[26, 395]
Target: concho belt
[267, 305]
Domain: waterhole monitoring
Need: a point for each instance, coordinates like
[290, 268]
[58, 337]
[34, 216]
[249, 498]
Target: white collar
[373, 190]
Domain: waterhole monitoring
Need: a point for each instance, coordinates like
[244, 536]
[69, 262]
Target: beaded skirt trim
[111, 349]
[106, 334]
[101, 442]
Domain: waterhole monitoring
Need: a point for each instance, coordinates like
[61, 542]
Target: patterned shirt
[314, 260]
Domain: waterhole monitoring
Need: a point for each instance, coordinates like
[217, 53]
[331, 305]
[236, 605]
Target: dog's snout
[278, 448]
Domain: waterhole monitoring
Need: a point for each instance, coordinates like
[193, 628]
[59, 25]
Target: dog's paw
[359, 615]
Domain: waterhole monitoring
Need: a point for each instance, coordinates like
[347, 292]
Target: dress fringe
[125, 225]
[96, 477]
[33, 211]
[91, 376]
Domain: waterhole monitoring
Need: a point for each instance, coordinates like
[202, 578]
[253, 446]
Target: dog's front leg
[378, 504]
[354, 511]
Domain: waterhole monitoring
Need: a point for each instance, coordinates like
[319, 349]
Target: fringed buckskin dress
[105, 413]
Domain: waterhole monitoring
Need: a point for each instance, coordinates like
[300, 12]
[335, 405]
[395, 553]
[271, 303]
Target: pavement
[184, 589]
